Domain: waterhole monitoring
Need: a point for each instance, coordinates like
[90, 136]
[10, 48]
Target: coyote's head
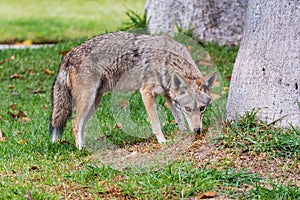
[192, 98]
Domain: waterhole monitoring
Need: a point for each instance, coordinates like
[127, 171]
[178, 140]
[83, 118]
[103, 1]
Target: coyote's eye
[202, 108]
[187, 109]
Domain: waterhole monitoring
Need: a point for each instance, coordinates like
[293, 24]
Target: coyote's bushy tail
[61, 105]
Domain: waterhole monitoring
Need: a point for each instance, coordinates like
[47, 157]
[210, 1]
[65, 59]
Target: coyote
[122, 61]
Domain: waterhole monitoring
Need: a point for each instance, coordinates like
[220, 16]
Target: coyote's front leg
[150, 105]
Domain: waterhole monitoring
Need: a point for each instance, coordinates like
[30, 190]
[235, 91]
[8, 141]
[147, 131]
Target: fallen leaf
[165, 104]
[13, 106]
[190, 48]
[3, 139]
[27, 42]
[15, 93]
[21, 114]
[16, 76]
[225, 88]
[165, 123]
[31, 72]
[11, 87]
[119, 125]
[22, 141]
[35, 91]
[48, 71]
[24, 119]
[206, 195]
[228, 78]
[44, 107]
[34, 168]
[298, 184]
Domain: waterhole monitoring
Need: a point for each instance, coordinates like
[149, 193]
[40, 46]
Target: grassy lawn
[51, 21]
[244, 160]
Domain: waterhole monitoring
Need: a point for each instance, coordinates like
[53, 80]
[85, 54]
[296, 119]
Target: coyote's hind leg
[86, 104]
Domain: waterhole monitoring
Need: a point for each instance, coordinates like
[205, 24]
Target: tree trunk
[266, 74]
[210, 20]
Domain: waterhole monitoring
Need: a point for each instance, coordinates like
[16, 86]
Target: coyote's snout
[154, 65]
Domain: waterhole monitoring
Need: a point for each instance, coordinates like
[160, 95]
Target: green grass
[30, 165]
[253, 135]
[52, 21]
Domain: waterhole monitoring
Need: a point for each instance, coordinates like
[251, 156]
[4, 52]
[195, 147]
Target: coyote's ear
[178, 85]
[210, 79]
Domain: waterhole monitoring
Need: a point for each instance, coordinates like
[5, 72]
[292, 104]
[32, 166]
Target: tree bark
[266, 74]
[211, 20]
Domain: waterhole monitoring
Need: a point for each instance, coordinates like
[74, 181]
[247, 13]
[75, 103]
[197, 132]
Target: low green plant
[250, 133]
[136, 21]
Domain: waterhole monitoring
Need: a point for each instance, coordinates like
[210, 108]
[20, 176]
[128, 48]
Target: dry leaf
[44, 107]
[206, 195]
[34, 168]
[119, 126]
[225, 88]
[35, 91]
[13, 106]
[16, 76]
[190, 48]
[27, 42]
[298, 184]
[165, 104]
[11, 87]
[15, 93]
[31, 72]
[228, 78]
[21, 114]
[2, 139]
[48, 71]
[24, 119]
[165, 123]
[22, 141]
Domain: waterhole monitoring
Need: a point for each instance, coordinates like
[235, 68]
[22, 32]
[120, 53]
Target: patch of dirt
[146, 154]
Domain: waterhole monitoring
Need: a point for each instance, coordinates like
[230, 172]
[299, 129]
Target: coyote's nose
[197, 130]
